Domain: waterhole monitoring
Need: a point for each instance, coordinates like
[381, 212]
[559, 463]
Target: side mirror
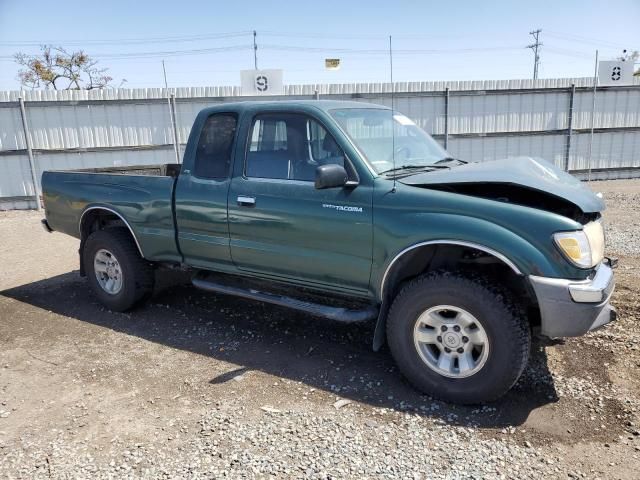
[331, 176]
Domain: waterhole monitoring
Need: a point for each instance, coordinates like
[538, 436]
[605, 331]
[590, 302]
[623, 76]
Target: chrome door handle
[246, 201]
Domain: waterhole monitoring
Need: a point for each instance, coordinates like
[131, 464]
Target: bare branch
[55, 63]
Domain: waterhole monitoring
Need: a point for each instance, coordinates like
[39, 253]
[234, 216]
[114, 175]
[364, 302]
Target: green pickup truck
[351, 212]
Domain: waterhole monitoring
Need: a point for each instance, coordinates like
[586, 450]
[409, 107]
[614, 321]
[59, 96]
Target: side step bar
[333, 313]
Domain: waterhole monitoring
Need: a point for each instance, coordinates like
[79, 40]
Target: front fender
[521, 255]
[516, 252]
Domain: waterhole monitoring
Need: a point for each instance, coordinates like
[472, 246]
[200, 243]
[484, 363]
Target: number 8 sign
[615, 72]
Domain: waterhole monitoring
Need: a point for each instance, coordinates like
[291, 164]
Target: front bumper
[570, 308]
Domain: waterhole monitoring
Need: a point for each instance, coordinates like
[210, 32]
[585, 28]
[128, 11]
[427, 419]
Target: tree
[56, 68]
[631, 57]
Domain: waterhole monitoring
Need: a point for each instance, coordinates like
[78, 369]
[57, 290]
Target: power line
[128, 41]
[170, 53]
[290, 48]
[535, 47]
[372, 36]
[297, 35]
[568, 52]
[580, 39]
[293, 48]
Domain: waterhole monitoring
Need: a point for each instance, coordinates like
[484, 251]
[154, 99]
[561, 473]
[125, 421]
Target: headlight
[584, 248]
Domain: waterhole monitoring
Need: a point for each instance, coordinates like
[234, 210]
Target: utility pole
[255, 51]
[534, 47]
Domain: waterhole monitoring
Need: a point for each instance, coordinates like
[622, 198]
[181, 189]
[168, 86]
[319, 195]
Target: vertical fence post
[174, 127]
[32, 164]
[446, 118]
[567, 152]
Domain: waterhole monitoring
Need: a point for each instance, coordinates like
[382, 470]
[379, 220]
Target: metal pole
[255, 51]
[593, 114]
[174, 127]
[446, 118]
[32, 163]
[164, 70]
[317, 94]
[171, 100]
[567, 153]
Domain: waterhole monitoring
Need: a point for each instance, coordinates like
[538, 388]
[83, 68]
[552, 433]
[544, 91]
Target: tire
[134, 276]
[500, 329]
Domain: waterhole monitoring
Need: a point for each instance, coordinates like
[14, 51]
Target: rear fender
[89, 216]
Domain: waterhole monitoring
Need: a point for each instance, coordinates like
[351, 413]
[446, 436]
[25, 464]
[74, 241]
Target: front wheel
[457, 337]
[116, 272]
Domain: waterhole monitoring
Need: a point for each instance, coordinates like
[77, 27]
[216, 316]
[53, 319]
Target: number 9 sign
[261, 82]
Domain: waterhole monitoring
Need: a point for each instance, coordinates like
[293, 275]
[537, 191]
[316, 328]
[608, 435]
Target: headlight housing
[584, 248]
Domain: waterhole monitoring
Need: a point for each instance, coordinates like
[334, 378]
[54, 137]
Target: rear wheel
[458, 337]
[116, 272]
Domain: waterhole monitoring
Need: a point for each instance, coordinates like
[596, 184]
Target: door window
[289, 146]
[215, 146]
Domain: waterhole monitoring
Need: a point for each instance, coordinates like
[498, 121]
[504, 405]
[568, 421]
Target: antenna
[393, 130]
[593, 116]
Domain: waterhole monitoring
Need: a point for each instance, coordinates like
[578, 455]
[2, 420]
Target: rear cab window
[215, 146]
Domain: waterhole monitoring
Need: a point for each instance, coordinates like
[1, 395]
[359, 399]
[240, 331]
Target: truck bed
[162, 170]
[141, 196]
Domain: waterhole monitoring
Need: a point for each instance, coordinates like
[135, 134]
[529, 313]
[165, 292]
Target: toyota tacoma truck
[351, 212]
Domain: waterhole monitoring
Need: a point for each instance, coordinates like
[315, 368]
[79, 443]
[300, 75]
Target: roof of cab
[302, 105]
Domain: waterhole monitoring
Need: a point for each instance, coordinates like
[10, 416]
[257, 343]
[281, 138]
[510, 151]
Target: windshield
[370, 130]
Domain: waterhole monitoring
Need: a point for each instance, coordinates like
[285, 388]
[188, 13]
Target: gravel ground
[203, 386]
[623, 234]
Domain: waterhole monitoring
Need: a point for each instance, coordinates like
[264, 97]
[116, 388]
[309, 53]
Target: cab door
[202, 191]
[280, 225]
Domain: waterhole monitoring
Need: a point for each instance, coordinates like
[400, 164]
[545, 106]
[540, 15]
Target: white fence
[476, 121]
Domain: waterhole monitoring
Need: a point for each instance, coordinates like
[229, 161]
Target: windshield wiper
[414, 167]
[449, 160]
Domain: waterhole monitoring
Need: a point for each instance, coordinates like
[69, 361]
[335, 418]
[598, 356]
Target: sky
[207, 42]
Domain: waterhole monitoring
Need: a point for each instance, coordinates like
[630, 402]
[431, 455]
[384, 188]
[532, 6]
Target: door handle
[246, 201]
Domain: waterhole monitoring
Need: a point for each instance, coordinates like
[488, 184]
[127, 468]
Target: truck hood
[512, 177]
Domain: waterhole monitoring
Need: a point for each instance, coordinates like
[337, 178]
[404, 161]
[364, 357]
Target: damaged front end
[522, 181]
[567, 306]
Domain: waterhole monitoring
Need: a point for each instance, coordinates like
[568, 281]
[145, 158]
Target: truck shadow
[327, 356]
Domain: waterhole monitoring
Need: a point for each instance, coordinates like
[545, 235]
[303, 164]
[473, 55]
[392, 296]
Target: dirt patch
[194, 384]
